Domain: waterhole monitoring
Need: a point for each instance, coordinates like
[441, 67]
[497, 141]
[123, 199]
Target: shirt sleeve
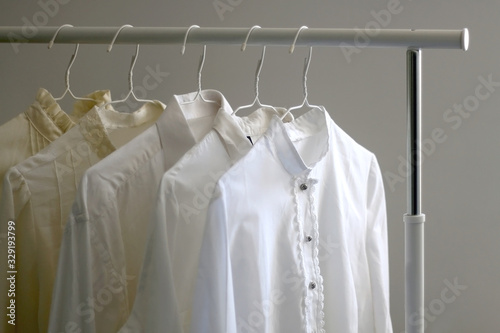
[377, 249]
[22, 287]
[155, 308]
[213, 305]
[89, 291]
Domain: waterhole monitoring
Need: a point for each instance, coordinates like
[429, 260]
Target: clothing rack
[413, 40]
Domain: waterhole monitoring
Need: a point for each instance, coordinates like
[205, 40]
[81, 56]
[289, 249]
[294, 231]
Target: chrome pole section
[414, 219]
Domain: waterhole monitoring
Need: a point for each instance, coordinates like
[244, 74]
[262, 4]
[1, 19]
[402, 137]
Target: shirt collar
[99, 97]
[95, 124]
[182, 125]
[51, 121]
[47, 117]
[315, 122]
[235, 131]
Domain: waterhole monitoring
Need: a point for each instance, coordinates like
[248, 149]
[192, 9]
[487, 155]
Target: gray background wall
[365, 96]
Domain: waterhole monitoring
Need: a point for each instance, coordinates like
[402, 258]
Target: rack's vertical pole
[414, 219]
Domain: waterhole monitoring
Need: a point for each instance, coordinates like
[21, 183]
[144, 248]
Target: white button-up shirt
[37, 196]
[104, 240]
[166, 286]
[295, 237]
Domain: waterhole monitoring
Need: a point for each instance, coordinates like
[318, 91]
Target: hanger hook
[305, 102]
[183, 49]
[116, 35]
[51, 43]
[244, 45]
[200, 68]
[260, 62]
[131, 72]
[257, 72]
[292, 48]
[71, 61]
[68, 69]
[307, 62]
[202, 59]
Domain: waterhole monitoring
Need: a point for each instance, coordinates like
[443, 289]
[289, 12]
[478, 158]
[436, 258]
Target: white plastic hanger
[131, 71]
[305, 102]
[200, 68]
[68, 70]
[256, 101]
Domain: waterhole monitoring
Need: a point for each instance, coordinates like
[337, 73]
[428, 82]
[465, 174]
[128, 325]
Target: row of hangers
[255, 104]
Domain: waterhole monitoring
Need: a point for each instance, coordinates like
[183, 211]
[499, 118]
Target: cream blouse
[37, 196]
[43, 122]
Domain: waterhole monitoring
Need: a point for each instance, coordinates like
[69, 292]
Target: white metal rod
[395, 38]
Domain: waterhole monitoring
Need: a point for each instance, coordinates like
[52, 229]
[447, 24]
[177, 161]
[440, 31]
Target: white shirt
[37, 196]
[295, 237]
[107, 227]
[164, 299]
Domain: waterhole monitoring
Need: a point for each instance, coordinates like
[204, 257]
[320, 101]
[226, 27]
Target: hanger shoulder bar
[393, 38]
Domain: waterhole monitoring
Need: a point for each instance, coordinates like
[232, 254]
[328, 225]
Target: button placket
[301, 208]
[317, 280]
[305, 188]
[307, 226]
